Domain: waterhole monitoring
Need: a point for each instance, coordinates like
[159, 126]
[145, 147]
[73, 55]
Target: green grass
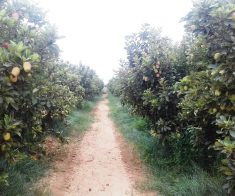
[83, 118]
[168, 178]
[24, 174]
[79, 120]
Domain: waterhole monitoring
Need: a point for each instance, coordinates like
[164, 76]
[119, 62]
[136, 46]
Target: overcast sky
[95, 30]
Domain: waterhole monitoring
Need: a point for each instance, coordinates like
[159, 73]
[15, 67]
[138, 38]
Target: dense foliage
[187, 90]
[36, 88]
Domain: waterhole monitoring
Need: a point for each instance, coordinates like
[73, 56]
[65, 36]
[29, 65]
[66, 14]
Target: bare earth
[102, 164]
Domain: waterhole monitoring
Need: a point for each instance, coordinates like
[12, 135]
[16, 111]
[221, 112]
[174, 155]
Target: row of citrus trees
[187, 90]
[36, 88]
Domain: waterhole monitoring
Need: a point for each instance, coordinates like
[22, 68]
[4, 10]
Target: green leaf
[232, 133]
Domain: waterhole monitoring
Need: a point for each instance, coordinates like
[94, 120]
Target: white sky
[95, 30]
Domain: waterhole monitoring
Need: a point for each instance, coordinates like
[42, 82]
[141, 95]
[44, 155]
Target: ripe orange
[217, 56]
[5, 45]
[27, 67]
[217, 92]
[15, 71]
[6, 136]
[185, 88]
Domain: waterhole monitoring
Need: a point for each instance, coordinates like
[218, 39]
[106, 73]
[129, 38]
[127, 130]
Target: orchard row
[187, 90]
[36, 87]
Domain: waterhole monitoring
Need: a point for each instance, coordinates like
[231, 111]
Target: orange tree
[91, 83]
[145, 81]
[35, 88]
[188, 88]
[28, 96]
[209, 102]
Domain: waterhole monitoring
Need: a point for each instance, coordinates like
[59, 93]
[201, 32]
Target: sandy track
[95, 165]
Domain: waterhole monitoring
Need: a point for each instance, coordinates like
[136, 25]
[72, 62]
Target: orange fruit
[185, 88]
[3, 147]
[232, 98]
[27, 67]
[233, 16]
[217, 56]
[15, 71]
[15, 16]
[214, 110]
[145, 78]
[217, 92]
[222, 107]
[5, 45]
[6, 136]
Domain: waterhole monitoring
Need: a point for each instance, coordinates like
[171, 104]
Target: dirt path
[96, 165]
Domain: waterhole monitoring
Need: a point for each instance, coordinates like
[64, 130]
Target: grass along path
[168, 178]
[24, 174]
